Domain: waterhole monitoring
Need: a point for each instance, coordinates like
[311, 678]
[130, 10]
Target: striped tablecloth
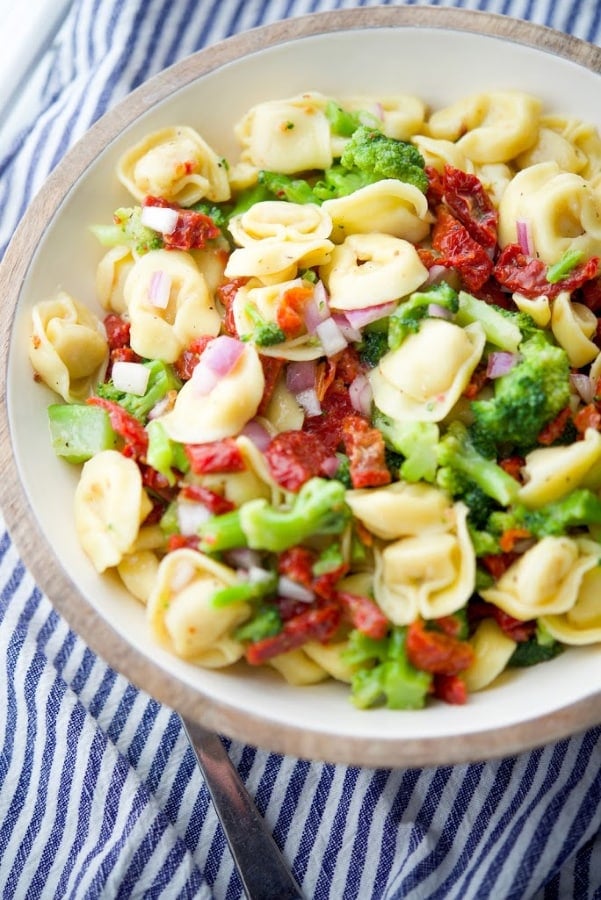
[99, 792]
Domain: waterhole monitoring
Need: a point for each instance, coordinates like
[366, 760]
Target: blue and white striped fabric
[99, 792]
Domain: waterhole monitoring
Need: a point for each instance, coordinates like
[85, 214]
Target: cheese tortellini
[67, 347]
[176, 164]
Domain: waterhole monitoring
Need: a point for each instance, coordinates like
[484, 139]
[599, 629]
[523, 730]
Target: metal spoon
[264, 873]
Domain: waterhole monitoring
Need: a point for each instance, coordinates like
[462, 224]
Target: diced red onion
[130, 377]
[436, 274]
[159, 218]
[300, 376]
[331, 337]
[191, 515]
[316, 308]
[361, 395]
[361, 317]
[330, 466]
[500, 363]
[439, 312]
[349, 331]
[243, 558]
[159, 289]
[292, 590]
[257, 433]
[218, 359]
[309, 401]
[584, 385]
[524, 236]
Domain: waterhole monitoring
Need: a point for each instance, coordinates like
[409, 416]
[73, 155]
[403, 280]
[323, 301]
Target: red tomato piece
[436, 652]
[187, 361]
[460, 251]
[514, 628]
[117, 331]
[272, 368]
[312, 625]
[192, 230]
[364, 614]
[291, 308]
[215, 503]
[294, 457]
[450, 688]
[225, 294]
[466, 198]
[367, 453]
[129, 429]
[216, 456]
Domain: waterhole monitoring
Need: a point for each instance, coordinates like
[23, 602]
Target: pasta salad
[337, 410]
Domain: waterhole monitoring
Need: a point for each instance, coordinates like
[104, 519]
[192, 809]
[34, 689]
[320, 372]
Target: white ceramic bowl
[438, 54]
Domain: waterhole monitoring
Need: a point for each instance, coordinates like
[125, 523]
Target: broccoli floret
[319, 508]
[529, 396]
[127, 229]
[540, 648]
[576, 510]
[462, 465]
[163, 454]
[162, 379]
[460, 486]
[344, 123]
[417, 443]
[343, 472]
[383, 674]
[265, 333]
[378, 156]
[339, 182]
[295, 190]
[373, 346]
[504, 329]
[218, 212]
[407, 316]
[265, 623]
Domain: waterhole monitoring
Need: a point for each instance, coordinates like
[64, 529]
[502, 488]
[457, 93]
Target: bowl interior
[382, 52]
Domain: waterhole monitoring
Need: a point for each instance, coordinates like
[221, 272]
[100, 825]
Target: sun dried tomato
[129, 429]
[366, 451]
[157, 484]
[513, 465]
[492, 292]
[117, 331]
[214, 502]
[294, 457]
[290, 311]
[477, 382]
[272, 368]
[588, 416]
[511, 537]
[182, 541]
[498, 563]
[435, 186]
[312, 625]
[514, 628]
[226, 293]
[189, 358]
[297, 564]
[450, 689]
[590, 294]
[460, 251]
[216, 456]
[436, 652]
[519, 272]
[553, 430]
[348, 365]
[192, 230]
[364, 614]
[466, 198]
[336, 406]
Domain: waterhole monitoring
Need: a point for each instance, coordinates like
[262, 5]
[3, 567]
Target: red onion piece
[584, 385]
[330, 466]
[361, 395]
[349, 331]
[361, 317]
[292, 590]
[300, 376]
[203, 378]
[191, 515]
[159, 218]
[222, 353]
[243, 558]
[309, 401]
[500, 363]
[331, 337]
[159, 289]
[436, 274]
[439, 312]
[257, 433]
[524, 236]
[316, 308]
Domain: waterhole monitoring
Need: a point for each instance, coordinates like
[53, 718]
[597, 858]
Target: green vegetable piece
[162, 379]
[457, 453]
[526, 399]
[531, 653]
[406, 318]
[373, 346]
[163, 454]
[579, 508]
[294, 190]
[169, 522]
[79, 431]
[378, 156]
[329, 560]
[127, 229]
[417, 442]
[265, 334]
[245, 591]
[563, 267]
[385, 677]
[319, 508]
[265, 623]
[500, 329]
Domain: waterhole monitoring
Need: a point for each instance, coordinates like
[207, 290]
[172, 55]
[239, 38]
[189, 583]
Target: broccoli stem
[456, 452]
[499, 329]
[79, 431]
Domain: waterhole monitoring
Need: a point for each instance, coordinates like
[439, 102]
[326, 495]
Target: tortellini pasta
[489, 127]
[574, 325]
[493, 649]
[389, 206]
[552, 472]
[159, 332]
[546, 579]
[397, 115]
[111, 274]
[561, 209]
[176, 164]
[400, 509]
[367, 269]
[110, 504]
[429, 574]
[67, 347]
[291, 135]
[198, 418]
[425, 377]
[182, 616]
[581, 623]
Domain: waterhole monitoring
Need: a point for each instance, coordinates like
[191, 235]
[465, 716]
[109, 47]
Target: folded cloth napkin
[99, 792]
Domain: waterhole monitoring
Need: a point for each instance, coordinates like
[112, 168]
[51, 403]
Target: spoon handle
[264, 873]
